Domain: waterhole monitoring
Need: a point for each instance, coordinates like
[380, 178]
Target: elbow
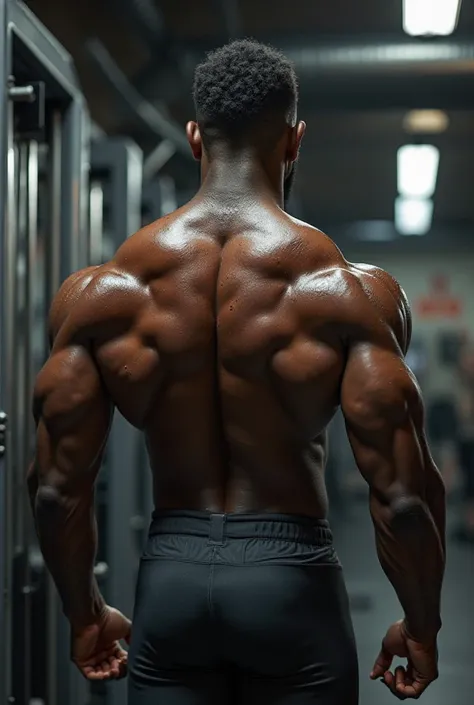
[408, 515]
[48, 502]
[406, 506]
[48, 494]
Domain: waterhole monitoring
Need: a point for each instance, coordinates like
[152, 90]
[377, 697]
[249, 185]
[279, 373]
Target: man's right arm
[384, 416]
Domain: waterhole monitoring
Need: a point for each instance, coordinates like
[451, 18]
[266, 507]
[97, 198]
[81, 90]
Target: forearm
[412, 556]
[67, 533]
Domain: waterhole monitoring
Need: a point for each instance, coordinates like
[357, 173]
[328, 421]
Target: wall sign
[439, 302]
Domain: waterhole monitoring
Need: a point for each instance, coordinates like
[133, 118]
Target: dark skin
[230, 333]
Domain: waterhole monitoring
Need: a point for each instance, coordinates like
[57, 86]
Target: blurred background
[92, 146]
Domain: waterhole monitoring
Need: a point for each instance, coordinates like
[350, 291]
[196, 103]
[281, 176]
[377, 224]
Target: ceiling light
[425, 122]
[417, 170]
[430, 17]
[413, 216]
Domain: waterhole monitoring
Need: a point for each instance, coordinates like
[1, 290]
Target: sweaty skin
[231, 341]
[226, 343]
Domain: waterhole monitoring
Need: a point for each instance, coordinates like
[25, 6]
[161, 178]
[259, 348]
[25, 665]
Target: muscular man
[229, 332]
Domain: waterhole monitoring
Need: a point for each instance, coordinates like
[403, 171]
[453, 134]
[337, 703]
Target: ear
[194, 138]
[294, 143]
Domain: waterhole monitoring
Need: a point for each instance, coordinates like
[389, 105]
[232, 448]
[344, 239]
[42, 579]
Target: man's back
[224, 337]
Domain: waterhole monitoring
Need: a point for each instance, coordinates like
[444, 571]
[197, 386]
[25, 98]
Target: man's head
[246, 96]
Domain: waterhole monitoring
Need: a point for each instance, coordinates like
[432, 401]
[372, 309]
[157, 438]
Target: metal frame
[151, 201]
[49, 52]
[116, 165]
[149, 118]
[159, 198]
[30, 52]
[6, 390]
[120, 160]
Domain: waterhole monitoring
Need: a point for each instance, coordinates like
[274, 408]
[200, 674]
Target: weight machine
[43, 216]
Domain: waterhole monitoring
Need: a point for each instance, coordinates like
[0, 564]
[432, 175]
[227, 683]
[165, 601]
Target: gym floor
[375, 607]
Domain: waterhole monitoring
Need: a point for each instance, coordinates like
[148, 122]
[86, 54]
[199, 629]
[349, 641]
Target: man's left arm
[73, 413]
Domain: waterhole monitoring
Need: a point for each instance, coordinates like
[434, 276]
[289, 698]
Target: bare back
[224, 338]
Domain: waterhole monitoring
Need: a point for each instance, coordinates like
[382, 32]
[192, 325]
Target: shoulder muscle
[93, 298]
[388, 299]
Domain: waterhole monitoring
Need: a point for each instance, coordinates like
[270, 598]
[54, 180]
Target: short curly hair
[241, 86]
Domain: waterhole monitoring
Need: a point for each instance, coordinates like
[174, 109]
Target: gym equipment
[43, 170]
[158, 199]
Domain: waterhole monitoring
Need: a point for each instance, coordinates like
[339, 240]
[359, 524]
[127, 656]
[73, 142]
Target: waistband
[217, 527]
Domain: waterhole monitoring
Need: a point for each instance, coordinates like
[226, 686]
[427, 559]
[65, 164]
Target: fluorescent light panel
[413, 216]
[417, 170]
[425, 121]
[430, 17]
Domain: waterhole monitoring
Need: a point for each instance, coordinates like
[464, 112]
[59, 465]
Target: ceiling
[191, 19]
[347, 168]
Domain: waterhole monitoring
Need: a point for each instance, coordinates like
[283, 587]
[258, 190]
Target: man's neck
[242, 177]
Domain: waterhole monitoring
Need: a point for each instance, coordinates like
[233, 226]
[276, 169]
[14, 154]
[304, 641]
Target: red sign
[439, 302]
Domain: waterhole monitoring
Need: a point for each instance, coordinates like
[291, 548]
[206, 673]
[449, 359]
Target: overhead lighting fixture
[424, 122]
[430, 17]
[417, 170]
[413, 216]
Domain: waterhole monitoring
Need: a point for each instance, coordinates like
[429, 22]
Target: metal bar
[5, 564]
[122, 160]
[316, 58]
[84, 158]
[376, 75]
[151, 200]
[30, 166]
[70, 190]
[396, 57]
[44, 46]
[21, 669]
[134, 182]
[96, 227]
[18, 402]
[53, 278]
[157, 159]
[147, 115]
[31, 293]
[53, 262]
[168, 194]
[7, 379]
[22, 94]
